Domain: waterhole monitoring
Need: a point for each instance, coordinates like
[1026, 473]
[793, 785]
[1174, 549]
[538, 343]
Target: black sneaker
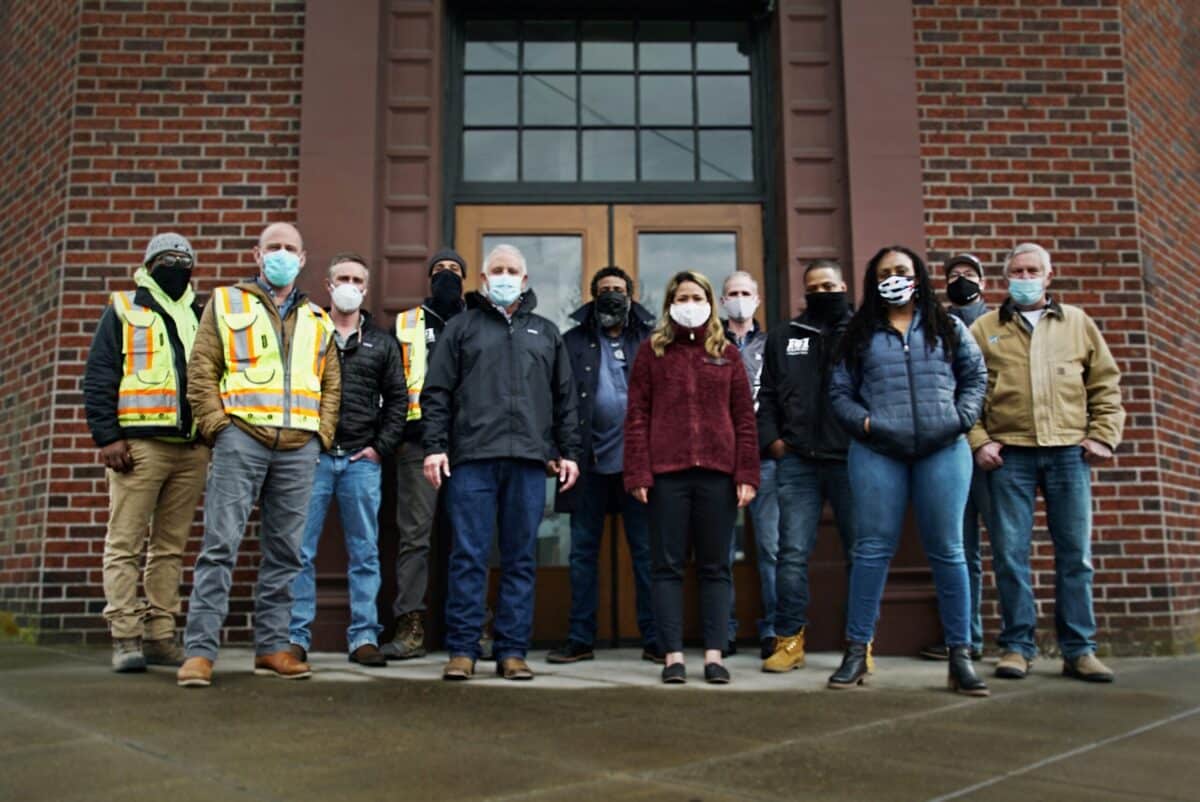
[674, 674]
[716, 674]
[766, 647]
[652, 654]
[571, 652]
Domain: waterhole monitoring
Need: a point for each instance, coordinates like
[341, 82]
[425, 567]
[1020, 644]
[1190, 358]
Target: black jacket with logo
[793, 402]
[374, 391]
[500, 389]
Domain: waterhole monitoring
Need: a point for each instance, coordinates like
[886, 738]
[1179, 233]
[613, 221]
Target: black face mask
[172, 280]
[446, 287]
[612, 308]
[826, 307]
[962, 291]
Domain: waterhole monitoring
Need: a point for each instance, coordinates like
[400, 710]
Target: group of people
[673, 422]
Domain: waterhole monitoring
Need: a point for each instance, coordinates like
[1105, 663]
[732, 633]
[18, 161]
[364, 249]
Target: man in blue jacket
[601, 349]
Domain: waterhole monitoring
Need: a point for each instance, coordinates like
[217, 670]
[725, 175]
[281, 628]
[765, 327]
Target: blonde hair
[664, 334]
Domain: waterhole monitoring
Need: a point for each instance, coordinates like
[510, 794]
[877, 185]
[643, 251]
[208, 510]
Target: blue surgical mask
[1026, 291]
[503, 289]
[280, 267]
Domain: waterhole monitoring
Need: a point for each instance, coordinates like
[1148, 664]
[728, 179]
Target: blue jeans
[481, 495]
[1066, 483]
[764, 512]
[978, 504]
[882, 487]
[596, 492]
[356, 486]
[804, 487]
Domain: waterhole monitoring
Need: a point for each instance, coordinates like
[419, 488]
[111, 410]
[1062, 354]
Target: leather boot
[963, 678]
[853, 670]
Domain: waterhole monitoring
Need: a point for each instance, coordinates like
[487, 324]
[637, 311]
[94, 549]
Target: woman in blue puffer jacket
[909, 384]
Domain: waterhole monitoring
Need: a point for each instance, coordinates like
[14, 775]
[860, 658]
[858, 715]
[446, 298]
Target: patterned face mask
[897, 290]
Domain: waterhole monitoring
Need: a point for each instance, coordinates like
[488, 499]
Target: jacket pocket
[240, 320]
[1070, 394]
[154, 377]
[258, 375]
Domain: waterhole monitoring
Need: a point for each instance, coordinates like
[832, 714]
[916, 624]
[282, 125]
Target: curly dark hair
[872, 315]
[612, 270]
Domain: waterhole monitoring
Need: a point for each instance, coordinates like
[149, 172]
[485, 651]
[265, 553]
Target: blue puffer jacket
[918, 402]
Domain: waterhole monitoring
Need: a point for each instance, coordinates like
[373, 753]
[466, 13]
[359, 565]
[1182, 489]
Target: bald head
[279, 237]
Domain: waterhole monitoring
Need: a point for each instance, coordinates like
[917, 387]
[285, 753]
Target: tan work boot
[1087, 668]
[162, 652]
[282, 664]
[459, 668]
[789, 654]
[196, 672]
[1013, 665]
[514, 668]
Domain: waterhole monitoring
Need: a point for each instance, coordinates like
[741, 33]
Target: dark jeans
[480, 495]
[882, 487]
[598, 493]
[978, 504]
[1066, 483]
[804, 487]
[416, 505]
[691, 510]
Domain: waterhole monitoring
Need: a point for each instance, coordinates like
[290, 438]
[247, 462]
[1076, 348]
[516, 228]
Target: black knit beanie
[447, 253]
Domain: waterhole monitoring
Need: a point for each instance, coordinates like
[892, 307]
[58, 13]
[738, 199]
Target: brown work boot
[409, 641]
[282, 664]
[789, 654]
[196, 672]
[163, 652]
[1088, 668]
[368, 655]
[1013, 665]
[514, 668]
[299, 652]
[459, 668]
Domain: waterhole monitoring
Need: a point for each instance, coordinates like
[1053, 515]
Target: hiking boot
[962, 677]
[409, 641]
[368, 655]
[459, 668]
[164, 652]
[514, 668]
[282, 664]
[853, 670]
[196, 672]
[127, 657]
[1088, 668]
[789, 654]
[571, 652]
[1013, 665]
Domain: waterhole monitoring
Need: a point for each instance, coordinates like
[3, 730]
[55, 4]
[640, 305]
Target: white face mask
[740, 308]
[691, 315]
[897, 290]
[347, 298]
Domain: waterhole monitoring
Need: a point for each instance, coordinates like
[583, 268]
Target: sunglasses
[172, 261]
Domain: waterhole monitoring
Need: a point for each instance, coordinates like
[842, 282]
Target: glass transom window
[558, 101]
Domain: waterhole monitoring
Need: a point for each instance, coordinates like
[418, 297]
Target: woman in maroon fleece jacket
[691, 453]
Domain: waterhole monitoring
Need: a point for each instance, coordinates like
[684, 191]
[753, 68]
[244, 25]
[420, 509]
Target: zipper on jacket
[912, 390]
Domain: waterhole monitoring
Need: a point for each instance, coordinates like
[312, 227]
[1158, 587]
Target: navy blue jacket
[918, 401]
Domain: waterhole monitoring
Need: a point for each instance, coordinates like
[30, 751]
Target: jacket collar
[803, 320]
[750, 337]
[252, 285]
[1008, 310]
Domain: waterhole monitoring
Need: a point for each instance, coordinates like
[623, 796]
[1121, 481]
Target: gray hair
[1028, 247]
[504, 249]
[739, 274]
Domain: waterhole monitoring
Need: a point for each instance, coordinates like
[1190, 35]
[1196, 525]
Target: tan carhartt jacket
[1052, 385]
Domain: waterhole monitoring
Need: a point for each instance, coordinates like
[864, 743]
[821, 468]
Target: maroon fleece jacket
[689, 410]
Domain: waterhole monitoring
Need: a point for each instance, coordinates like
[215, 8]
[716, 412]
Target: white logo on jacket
[797, 347]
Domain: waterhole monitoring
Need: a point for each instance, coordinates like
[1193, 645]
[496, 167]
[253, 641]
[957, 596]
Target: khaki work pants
[158, 496]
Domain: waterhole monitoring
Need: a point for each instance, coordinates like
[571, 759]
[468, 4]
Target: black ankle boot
[963, 678]
[853, 670]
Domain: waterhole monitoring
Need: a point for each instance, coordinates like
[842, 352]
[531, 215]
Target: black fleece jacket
[374, 391]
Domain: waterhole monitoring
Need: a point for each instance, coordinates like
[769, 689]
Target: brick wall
[1162, 50]
[37, 61]
[1025, 136]
[187, 119]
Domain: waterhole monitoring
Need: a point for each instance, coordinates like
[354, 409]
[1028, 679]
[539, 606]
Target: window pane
[666, 99]
[491, 46]
[608, 156]
[490, 100]
[490, 156]
[723, 100]
[722, 46]
[668, 156]
[549, 46]
[725, 156]
[548, 155]
[549, 99]
[665, 46]
[661, 256]
[607, 46]
[607, 99]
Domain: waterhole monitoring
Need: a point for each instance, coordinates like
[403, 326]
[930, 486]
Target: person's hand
[745, 494]
[568, 473]
[642, 494]
[867, 425]
[436, 466]
[116, 457]
[987, 456]
[777, 449]
[552, 467]
[1095, 452]
[369, 454]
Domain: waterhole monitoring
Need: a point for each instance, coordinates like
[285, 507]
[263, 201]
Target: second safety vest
[410, 331]
[262, 385]
[149, 390]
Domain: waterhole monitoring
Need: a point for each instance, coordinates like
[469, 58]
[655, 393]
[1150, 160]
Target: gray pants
[241, 469]
[416, 501]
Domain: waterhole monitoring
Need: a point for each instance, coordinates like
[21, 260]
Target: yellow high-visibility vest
[410, 331]
[262, 386]
[149, 392]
